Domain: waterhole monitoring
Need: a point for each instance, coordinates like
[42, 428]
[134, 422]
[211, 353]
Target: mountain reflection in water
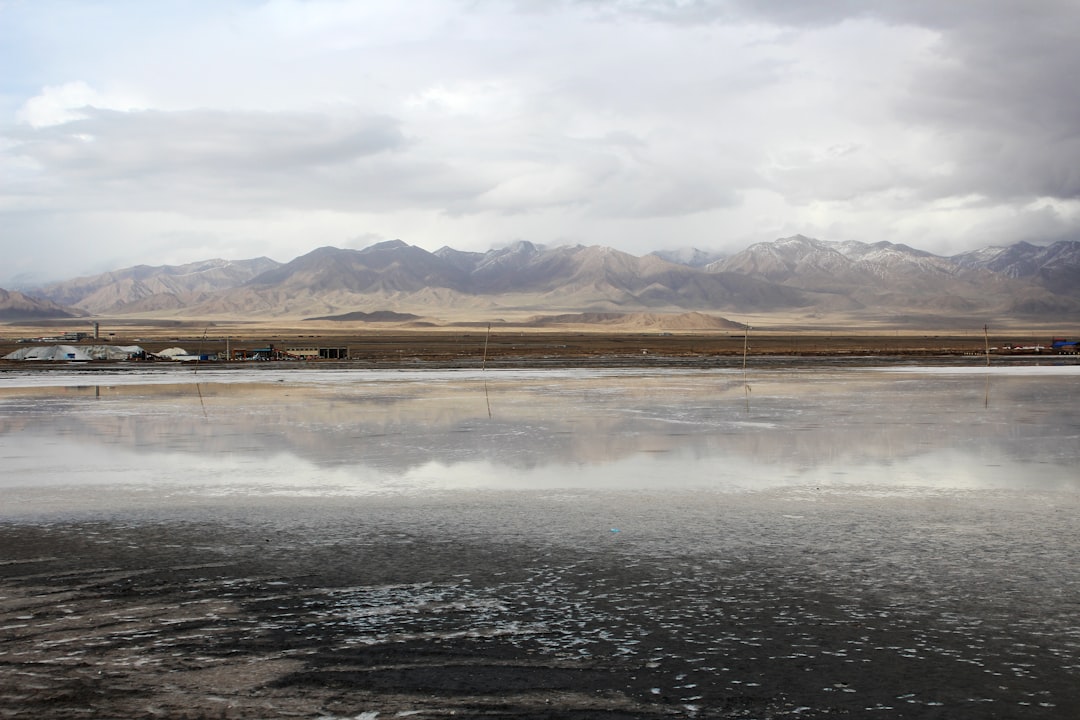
[381, 431]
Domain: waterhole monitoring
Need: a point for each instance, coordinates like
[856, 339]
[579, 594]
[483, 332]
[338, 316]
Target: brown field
[469, 342]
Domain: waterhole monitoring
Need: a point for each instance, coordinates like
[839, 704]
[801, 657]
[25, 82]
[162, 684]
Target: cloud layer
[190, 130]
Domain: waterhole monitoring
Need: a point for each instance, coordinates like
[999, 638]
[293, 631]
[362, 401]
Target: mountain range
[795, 275]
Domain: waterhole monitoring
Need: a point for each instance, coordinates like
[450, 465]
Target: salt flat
[803, 542]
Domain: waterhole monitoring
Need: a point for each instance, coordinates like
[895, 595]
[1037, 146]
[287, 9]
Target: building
[318, 353]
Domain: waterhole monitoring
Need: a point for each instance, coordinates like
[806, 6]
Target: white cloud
[635, 123]
[61, 104]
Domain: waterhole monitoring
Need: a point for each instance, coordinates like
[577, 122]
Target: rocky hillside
[145, 289]
[1055, 267]
[394, 275]
[794, 275]
[1023, 279]
[15, 306]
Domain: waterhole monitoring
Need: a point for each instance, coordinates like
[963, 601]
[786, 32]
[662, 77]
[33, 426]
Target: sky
[172, 131]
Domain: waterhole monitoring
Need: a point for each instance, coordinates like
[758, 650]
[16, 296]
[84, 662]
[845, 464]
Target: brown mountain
[797, 275]
[691, 321]
[596, 277]
[523, 277]
[334, 281]
[1054, 267]
[144, 288]
[884, 277]
[14, 306]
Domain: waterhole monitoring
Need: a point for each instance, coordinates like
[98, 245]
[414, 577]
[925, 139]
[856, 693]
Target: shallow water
[362, 432]
[806, 542]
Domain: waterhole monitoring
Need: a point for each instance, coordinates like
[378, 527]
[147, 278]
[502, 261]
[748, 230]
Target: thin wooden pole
[198, 355]
[483, 363]
[745, 348]
[986, 342]
[483, 368]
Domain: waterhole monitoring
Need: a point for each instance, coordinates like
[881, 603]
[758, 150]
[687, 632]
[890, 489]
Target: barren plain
[649, 338]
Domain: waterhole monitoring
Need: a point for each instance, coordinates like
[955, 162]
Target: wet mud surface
[581, 606]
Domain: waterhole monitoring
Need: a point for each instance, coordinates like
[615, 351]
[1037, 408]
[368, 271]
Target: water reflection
[367, 432]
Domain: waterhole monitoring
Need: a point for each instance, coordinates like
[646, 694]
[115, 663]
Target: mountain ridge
[16, 306]
[795, 274]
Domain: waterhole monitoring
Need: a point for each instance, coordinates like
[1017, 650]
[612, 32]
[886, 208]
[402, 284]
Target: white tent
[75, 352]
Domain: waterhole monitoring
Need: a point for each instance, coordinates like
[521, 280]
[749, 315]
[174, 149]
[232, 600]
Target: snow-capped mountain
[795, 274]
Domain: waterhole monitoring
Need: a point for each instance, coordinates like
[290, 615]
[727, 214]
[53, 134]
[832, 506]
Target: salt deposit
[836, 541]
[76, 353]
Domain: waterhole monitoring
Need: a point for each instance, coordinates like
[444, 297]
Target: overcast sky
[171, 131]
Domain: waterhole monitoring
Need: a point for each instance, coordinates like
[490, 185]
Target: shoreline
[569, 349]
